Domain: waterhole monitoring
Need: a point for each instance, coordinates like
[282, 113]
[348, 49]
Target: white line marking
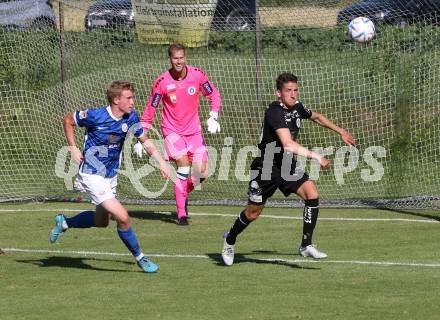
[295, 261]
[322, 218]
[207, 214]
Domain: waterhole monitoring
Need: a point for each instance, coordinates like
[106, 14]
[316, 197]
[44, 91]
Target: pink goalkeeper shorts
[193, 146]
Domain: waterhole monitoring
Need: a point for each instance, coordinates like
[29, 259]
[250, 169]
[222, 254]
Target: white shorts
[98, 187]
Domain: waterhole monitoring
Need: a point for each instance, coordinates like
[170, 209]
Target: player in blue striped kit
[106, 130]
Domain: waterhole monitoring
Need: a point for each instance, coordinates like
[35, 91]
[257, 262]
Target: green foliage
[275, 39]
[30, 59]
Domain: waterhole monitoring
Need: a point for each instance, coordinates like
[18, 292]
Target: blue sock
[129, 238]
[85, 219]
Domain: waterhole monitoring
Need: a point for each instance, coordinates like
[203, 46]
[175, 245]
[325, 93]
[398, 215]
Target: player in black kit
[275, 168]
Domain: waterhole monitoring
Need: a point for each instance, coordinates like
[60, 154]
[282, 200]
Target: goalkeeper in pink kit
[178, 88]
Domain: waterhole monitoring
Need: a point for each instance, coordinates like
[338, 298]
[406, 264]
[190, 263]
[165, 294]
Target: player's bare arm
[294, 147]
[325, 122]
[151, 149]
[69, 128]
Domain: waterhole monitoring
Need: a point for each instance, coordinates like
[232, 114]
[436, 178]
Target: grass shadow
[414, 213]
[72, 262]
[152, 215]
[241, 258]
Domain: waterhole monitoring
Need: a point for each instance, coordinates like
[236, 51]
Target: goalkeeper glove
[138, 149]
[213, 125]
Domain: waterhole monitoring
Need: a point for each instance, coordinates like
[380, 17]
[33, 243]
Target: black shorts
[266, 183]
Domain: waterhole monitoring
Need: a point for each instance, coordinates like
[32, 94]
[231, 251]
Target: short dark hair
[284, 78]
[175, 47]
[115, 88]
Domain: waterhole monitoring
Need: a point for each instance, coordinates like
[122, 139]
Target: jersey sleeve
[84, 118]
[304, 112]
[136, 126]
[152, 105]
[210, 91]
[275, 118]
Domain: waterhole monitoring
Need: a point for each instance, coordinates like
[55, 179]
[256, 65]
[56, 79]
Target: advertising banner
[166, 21]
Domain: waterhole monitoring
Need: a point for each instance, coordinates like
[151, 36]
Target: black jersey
[276, 117]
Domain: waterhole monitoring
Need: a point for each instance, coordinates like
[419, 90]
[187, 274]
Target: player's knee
[183, 172]
[308, 191]
[200, 173]
[204, 174]
[312, 195]
[253, 213]
[123, 223]
[122, 220]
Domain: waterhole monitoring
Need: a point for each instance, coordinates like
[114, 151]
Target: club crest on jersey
[207, 87]
[124, 127]
[156, 100]
[191, 91]
[82, 114]
[173, 97]
[171, 87]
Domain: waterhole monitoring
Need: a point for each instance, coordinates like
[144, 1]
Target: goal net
[59, 59]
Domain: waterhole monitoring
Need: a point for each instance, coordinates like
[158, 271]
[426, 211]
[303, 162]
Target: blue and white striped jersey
[104, 138]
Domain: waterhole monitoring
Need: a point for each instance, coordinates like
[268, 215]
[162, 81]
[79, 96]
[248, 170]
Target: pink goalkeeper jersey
[181, 101]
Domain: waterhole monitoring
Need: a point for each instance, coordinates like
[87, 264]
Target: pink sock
[181, 192]
[194, 182]
[190, 184]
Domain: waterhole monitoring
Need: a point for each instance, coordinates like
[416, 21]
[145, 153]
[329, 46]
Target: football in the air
[361, 29]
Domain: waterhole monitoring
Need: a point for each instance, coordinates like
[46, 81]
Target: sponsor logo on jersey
[171, 87]
[173, 97]
[82, 114]
[156, 100]
[124, 127]
[112, 138]
[191, 90]
[207, 87]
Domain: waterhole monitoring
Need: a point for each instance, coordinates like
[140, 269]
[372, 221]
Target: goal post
[384, 92]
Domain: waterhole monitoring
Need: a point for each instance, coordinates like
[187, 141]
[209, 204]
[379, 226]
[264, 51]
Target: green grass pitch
[381, 265]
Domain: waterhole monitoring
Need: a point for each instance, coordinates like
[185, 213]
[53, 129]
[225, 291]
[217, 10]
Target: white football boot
[311, 251]
[228, 251]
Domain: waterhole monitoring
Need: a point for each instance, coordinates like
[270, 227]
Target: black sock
[239, 225]
[310, 216]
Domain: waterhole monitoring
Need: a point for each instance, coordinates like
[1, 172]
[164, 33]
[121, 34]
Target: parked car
[110, 14]
[395, 12]
[238, 15]
[27, 14]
